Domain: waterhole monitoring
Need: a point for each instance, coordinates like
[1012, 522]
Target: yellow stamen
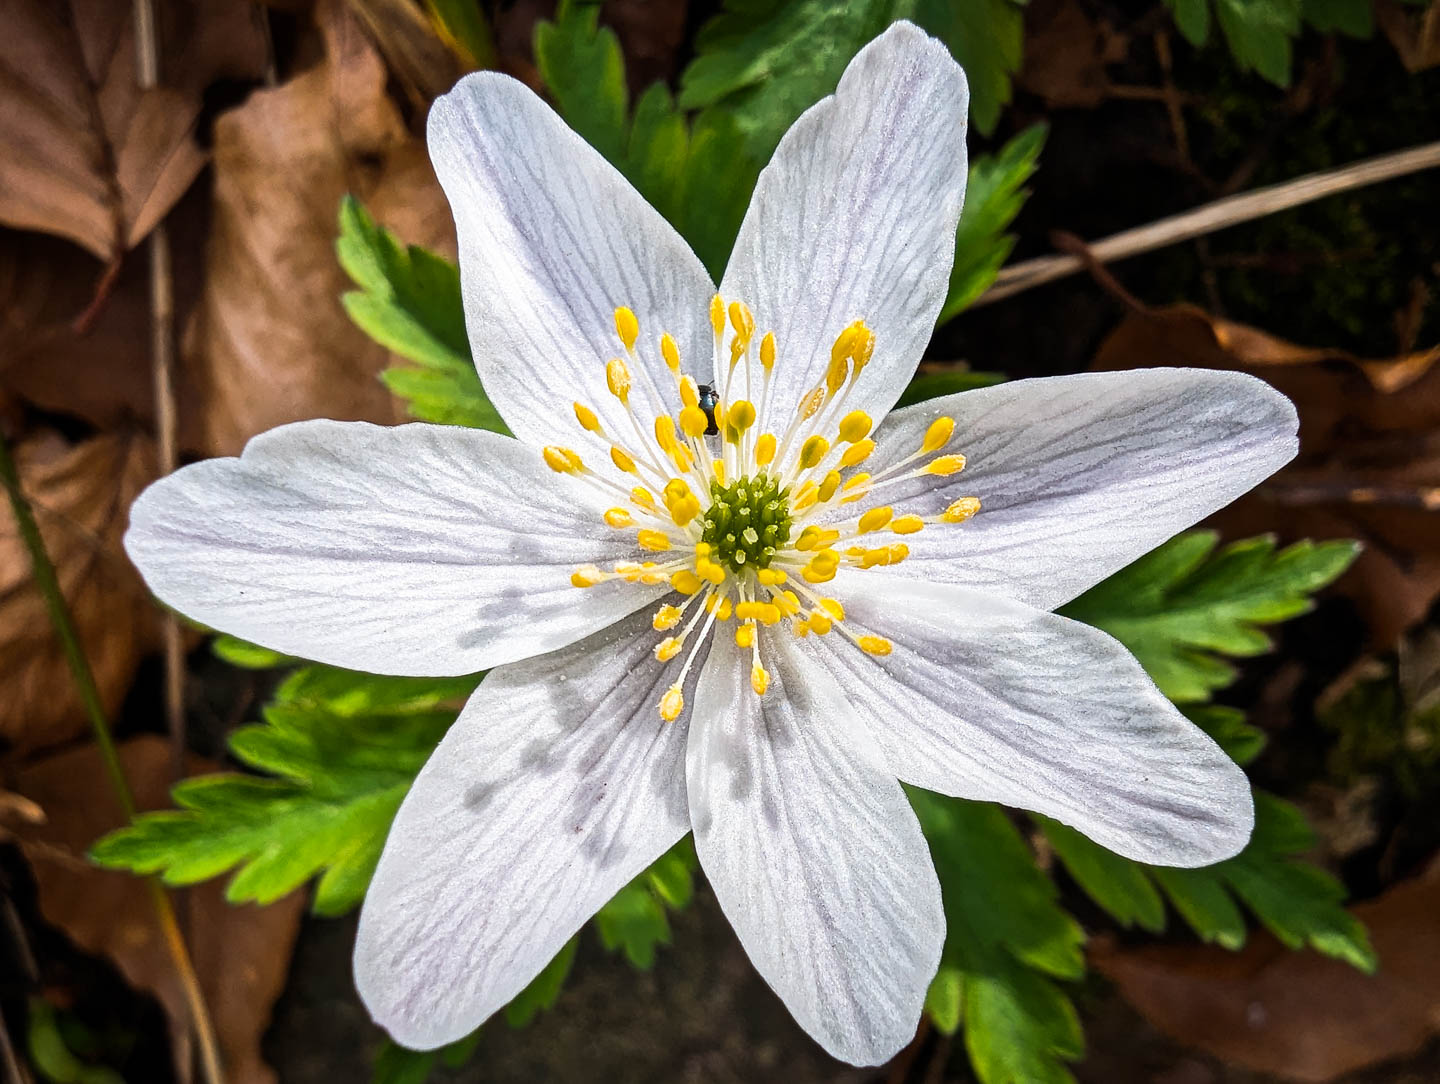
[885, 555]
[617, 378]
[875, 645]
[587, 419]
[765, 450]
[654, 541]
[627, 327]
[686, 582]
[689, 391]
[619, 517]
[857, 453]
[718, 466]
[833, 608]
[855, 487]
[819, 623]
[811, 403]
[767, 351]
[717, 314]
[759, 679]
[876, 518]
[961, 510]
[945, 465]
[907, 524]
[829, 484]
[938, 435]
[769, 577]
[562, 460]
[621, 459]
[672, 704]
[665, 431]
[666, 618]
[641, 496]
[745, 634]
[740, 416]
[813, 450]
[587, 576]
[854, 426]
[742, 320]
[693, 421]
[668, 648]
[670, 352]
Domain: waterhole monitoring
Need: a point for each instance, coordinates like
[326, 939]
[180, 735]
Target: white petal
[552, 240]
[813, 851]
[986, 698]
[1080, 475]
[419, 549]
[557, 785]
[855, 218]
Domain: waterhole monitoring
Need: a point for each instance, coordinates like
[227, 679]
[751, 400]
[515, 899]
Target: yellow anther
[961, 510]
[833, 608]
[689, 391]
[788, 602]
[836, 374]
[666, 618]
[718, 466]
[622, 459]
[745, 634]
[685, 581]
[767, 351]
[651, 573]
[717, 314]
[740, 416]
[844, 344]
[875, 645]
[562, 460]
[681, 457]
[827, 557]
[619, 517]
[815, 537]
[759, 679]
[855, 426]
[670, 352]
[682, 512]
[812, 574]
[829, 484]
[724, 610]
[857, 453]
[693, 421]
[703, 549]
[855, 487]
[907, 524]
[587, 576]
[711, 571]
[813, 450]
[876, 518]
[765, 450]
[864, 346]
[587, 419]
[627, 327]
[711, 601]
[672, 704]
[804, 497]
[945, 465]
[811, 403]
[665, 431]
[641, 496]
[747, 611]
[668, 648]
[769, 577]
[629, 570]
[617, 377]
[742, 320]
[768, 614]
[801, 628]
[654, 541]
[738, 346]
[938, 435]
[678, 489]
[892, 554]
[819, 623]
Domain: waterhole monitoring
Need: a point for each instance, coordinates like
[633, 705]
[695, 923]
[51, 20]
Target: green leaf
[50, 1055]
[946, 382]
[698, 174]
[248, 656]
[544, 989]
[1193, 19]
[1353, 17]
[1260, 32]
[1241, 741]
[944, 1000]
[635, 920]
[993, 197]
[339, 750]
[1183, 604]
[395, 1064]
[987, 38]
[1297, 902]
[1006, 940]
[462, 24]
[409, 302]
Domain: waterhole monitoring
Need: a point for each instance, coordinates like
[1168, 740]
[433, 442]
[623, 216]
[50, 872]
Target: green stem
[49, 585]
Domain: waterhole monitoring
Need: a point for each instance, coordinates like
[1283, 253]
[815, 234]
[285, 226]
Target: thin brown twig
[1211, 217]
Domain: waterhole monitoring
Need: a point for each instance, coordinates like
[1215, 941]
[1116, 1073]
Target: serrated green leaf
[339, 750]
[1227, 726]
[635, 920]
[1260, 33]
[994, 195]
[409, 302]
[1183, 604]
[698, 174]
[1118, 885]
[1008, 937]
[986, 37]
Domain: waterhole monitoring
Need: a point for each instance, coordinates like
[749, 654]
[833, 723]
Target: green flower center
[747, 521]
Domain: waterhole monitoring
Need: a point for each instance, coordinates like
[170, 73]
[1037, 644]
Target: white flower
[750, 635]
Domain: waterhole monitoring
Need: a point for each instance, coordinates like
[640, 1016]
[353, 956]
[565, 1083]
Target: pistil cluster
[716, 517]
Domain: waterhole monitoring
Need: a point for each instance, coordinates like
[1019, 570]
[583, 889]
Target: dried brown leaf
[1298, 1015]
[1416, 37]
[1066, 53]
[88, 154]
[241, 954]
[1369, 462]
[81, 495]
[270, 342]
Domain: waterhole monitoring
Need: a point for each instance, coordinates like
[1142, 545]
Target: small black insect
[708, 402]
